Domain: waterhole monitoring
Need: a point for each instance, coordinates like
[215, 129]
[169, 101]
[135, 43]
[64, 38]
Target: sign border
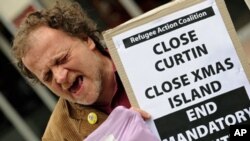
[154, 14]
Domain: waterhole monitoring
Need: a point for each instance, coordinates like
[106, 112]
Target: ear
[90, 43]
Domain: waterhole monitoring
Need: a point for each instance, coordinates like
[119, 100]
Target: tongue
[76, 85]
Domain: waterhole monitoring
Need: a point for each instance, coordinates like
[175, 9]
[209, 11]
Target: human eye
[47, 76]
[62, 59]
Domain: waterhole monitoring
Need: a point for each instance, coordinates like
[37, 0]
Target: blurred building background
[24, 107]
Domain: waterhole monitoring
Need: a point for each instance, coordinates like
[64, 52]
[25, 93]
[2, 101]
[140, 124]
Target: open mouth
[76, 85]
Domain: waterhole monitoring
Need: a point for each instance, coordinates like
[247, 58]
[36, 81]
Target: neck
[109, 85]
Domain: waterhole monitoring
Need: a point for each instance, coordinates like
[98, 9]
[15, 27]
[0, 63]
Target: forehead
[44, 44]
[43, 36]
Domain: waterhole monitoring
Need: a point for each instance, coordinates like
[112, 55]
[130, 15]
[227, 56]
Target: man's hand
[143, 114]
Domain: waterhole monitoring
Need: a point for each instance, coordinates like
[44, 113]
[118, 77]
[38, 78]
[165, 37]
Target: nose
[60, 74]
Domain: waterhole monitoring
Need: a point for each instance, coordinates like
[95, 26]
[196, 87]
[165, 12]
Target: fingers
[143, 113]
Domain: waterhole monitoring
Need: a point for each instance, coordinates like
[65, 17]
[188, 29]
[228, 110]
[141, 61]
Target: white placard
[183, 67]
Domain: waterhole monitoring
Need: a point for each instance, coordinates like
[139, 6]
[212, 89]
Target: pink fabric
[122, 125]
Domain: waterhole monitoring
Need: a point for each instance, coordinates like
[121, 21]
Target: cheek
[76, 62]
[84, 58]
[84, 65]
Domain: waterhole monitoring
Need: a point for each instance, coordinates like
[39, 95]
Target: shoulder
[58, 119]
[69, 122]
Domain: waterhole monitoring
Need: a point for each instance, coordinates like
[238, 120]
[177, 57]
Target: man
[61, 48]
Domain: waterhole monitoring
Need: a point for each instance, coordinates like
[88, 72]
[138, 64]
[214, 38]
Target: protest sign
[182, 63]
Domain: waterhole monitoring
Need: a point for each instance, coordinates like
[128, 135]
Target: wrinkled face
[70, 67]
